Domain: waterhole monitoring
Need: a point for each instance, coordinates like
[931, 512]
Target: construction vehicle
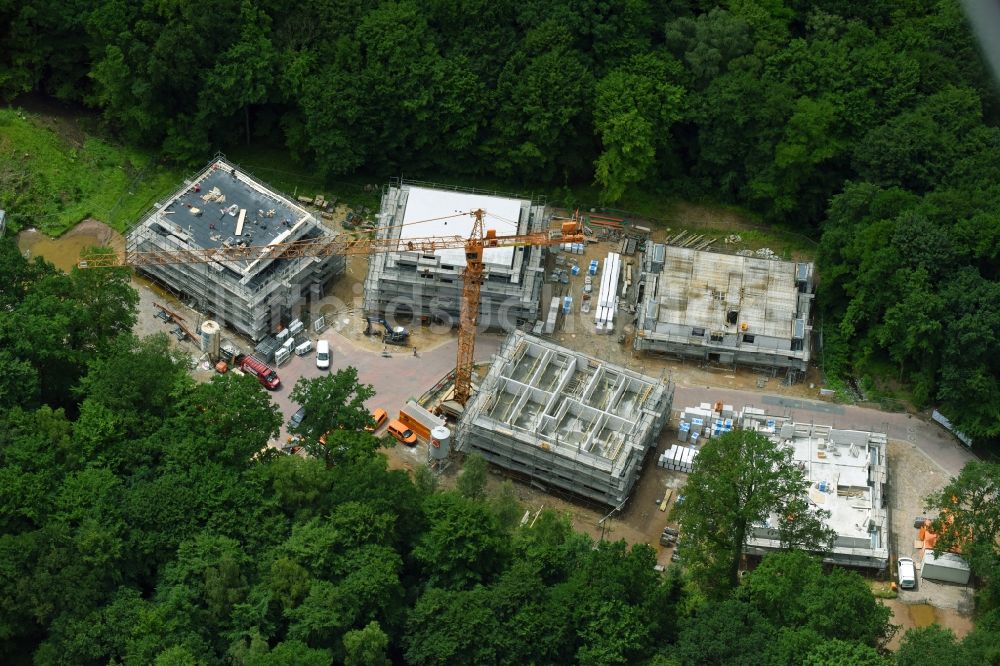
[267, 377]
[478, 241]
[397, 335]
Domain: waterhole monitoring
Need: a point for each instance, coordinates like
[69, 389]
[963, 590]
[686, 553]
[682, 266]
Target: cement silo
[440, 443]
[211, 333]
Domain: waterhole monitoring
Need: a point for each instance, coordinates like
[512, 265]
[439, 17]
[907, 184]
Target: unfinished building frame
[725, 309]
[223, 206]
[565, 419]
[412, 284]
[847, 473]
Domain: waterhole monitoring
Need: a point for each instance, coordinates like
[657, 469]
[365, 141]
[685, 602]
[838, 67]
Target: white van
[907, 573]
[322, 354]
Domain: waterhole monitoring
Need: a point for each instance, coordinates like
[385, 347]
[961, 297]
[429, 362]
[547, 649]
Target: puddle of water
[922, 615]
[64, 252]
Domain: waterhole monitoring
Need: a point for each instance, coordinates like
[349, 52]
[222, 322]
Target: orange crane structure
[479, 240]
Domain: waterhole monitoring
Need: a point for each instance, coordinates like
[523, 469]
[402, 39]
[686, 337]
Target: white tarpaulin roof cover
[502, 215]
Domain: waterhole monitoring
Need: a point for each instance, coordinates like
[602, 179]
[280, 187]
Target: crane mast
[469, 312]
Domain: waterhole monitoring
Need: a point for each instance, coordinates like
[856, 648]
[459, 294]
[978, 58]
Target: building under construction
[565, 420]
[723, 308]
[413, 284]
[847, 473]
[223, 207]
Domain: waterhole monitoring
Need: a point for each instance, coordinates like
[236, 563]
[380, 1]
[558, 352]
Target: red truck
[265, 374]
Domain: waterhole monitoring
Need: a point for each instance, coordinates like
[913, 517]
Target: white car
[907, 573]
[323, 354]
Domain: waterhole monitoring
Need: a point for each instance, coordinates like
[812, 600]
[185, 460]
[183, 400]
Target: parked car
[402, 433]
[907, 573]
[297, 417]
[379, 416]
[323, 354]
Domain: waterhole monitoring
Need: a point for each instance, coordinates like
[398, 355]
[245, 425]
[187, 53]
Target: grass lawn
[53, 175]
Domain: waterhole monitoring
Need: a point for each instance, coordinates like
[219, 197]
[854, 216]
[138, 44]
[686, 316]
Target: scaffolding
[567, 420]
[429, 286]
[725, 309]
[222, 207]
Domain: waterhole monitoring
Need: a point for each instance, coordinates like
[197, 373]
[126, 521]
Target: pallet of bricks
[678, 458]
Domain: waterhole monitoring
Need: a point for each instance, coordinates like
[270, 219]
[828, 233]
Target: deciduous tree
[739, 479]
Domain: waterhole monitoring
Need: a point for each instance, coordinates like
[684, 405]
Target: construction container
[419, 420]
[946, 567]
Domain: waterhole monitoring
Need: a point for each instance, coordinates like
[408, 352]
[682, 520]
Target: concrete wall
[564, 419]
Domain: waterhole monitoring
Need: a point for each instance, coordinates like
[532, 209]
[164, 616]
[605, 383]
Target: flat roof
[210, 216]
[842, 472]
[424, 207]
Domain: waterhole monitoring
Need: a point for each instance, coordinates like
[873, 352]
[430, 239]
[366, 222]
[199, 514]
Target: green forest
[868, 126]
[143, 520]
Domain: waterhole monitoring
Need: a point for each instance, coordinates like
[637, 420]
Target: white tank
[211, 333]
[440, 443]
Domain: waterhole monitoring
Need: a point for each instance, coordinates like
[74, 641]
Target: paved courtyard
[396, 378]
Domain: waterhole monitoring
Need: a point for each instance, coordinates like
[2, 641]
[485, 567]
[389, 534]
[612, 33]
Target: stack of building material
[550, 320]
[706, 420]
[678, 458]
[607, 298]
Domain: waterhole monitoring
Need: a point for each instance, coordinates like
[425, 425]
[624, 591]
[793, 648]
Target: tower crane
[478, 241]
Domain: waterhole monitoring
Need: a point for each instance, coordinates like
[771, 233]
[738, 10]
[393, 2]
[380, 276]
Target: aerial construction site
[577, 397]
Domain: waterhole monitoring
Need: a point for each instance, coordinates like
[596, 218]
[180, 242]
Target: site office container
[265, 374]
[419, 420]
